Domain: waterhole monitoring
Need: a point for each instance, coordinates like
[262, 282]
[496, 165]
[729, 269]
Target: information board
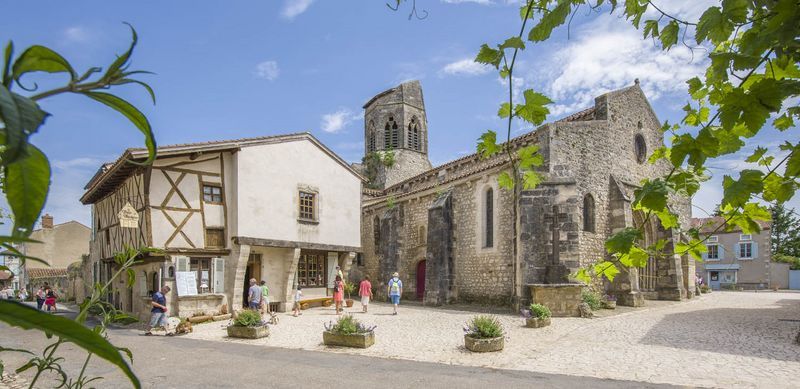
[186, 283]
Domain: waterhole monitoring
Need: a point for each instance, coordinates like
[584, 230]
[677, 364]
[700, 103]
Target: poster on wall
[186, 283]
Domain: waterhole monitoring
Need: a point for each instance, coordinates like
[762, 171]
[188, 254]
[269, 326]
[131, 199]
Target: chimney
[47, 221]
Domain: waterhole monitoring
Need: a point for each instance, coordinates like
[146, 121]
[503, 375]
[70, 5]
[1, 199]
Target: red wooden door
[420, 280]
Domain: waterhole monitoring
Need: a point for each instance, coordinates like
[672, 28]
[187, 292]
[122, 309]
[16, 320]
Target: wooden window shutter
[219, 275]
[332, 262]
[183, 263]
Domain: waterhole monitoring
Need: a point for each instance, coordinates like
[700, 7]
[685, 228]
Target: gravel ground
[724, 339]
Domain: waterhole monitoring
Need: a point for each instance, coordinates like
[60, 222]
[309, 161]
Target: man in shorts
[395, 289]
[158, 314]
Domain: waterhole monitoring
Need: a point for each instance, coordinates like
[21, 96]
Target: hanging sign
[128, 217]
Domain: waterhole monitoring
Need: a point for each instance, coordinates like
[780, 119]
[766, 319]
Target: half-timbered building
[284, 209]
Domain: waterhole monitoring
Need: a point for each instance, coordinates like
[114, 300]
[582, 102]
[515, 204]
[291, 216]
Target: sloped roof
[47, 272]
[710, 224]
[110, 176]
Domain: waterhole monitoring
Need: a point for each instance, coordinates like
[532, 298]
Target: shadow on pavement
[761, 332]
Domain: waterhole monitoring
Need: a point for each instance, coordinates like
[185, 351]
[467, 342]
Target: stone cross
[555, 220]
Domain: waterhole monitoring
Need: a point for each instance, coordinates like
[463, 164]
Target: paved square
[724, 339]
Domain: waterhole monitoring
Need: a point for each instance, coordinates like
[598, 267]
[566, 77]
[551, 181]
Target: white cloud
[465, 67]
[336, 121]
[76, 34]
[292, 8]
[268, 70]
[593, 64]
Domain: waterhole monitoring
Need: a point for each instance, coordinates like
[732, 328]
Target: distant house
[61, 244]
[284, 209]
[735, 259]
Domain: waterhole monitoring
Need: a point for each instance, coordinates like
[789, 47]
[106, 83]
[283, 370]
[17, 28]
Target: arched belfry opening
[395, 120]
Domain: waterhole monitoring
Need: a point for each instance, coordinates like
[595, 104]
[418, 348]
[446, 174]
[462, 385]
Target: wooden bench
[323, 301]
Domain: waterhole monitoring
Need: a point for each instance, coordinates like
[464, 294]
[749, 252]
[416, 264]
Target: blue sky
[227, 70]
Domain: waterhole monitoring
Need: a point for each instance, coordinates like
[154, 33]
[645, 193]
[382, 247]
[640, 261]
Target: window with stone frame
[588, 213]
[414, 134]
[308, 206]
[640, 148]
[371, 137]
[745, 250]
[376, 233]
[311, 270]
[488, 238]
[212, 193]
[391, 134]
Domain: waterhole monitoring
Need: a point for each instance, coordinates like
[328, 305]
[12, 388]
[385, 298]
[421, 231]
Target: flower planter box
[248, 332]
[479, 345]
[535, 322]
[348, 303]
[354, 340]
[610, 304]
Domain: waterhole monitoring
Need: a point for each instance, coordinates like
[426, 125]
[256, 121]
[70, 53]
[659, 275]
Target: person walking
[50, 300]
[395, 289]
[254, 297]
[158, 312]
[298, 294]
[39, 298]
[338, 294]
[264, 297]
[22, 295]
[365, 291]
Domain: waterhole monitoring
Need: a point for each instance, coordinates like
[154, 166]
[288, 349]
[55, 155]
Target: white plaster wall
[214, 215]
[268, 178]
[274, 264]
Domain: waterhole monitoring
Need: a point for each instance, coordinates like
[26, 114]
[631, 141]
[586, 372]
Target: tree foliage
[25, 181]
[785, 232]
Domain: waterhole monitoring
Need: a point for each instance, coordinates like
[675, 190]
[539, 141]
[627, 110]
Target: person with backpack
[395, 290]
[338, 294]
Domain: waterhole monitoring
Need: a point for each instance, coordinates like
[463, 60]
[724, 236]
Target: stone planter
[354, 340]
[610, 304]
[348, 303]
[248, 332]
[479, 345]
[535, 322]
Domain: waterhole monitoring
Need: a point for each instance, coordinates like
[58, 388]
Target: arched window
[640, 148]
[588, 213]
[414, 134]
[371, 137]
[489, 219]
[171, 272]
[376, 232]
[156, 283]
[391, 134]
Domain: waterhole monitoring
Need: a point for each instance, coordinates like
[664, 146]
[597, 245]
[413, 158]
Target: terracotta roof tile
[46, 273]
[710, 224]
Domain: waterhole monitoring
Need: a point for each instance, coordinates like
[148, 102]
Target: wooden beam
[244, 240]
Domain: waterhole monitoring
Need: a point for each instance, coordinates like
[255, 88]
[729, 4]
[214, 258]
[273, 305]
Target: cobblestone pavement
[725, 339]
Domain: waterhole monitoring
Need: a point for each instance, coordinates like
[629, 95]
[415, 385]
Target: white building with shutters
[734, 259]
[283, 209]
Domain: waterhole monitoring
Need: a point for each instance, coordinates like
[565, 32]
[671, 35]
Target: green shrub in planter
[592, 299]
[248, 318]
[540, 311]
[484, 327]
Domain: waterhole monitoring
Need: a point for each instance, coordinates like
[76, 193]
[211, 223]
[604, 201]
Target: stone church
[448, 229]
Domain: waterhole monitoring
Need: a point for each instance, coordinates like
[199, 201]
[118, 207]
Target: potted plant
[248, 324]
[538, 316]
[349, 288]
[348, 332]
[484, 334]
[610, 301]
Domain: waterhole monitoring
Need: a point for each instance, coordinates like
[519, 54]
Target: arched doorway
[421, 279]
